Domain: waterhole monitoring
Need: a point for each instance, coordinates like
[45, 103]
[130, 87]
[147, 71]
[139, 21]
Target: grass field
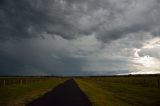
[18, 94]
[139, 90]
[122, 91]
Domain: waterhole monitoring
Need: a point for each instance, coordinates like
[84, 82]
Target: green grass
[142, 80]
[109, 93]
[20, 94]
[102, 91]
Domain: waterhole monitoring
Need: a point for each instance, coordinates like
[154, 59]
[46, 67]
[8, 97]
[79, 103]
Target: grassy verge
[103, 93]
[19, 95]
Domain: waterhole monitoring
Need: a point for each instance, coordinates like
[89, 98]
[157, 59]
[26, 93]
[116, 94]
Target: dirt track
[66, 94]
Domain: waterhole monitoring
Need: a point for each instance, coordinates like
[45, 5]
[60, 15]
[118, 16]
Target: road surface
[66, 94]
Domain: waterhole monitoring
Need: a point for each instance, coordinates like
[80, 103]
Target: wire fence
[4, 82]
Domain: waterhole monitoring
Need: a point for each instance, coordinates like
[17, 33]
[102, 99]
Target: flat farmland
[18, 91]
[122, 90]
[130, 90]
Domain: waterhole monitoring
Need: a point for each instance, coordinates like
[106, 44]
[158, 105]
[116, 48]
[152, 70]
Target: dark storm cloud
[37, 57]
[26, 24]
[108, 36]
[108, 19]
[32, 18]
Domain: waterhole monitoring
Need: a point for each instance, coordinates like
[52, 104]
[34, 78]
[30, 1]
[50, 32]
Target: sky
[79, 37]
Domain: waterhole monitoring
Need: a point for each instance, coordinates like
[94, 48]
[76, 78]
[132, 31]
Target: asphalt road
[66, 94]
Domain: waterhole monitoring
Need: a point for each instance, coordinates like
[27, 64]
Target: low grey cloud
[108, 19]
[77, 37]
[38, 57]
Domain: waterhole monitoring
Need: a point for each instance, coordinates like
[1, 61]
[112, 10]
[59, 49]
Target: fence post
[158, 83]
[4, 83]
[21, 82]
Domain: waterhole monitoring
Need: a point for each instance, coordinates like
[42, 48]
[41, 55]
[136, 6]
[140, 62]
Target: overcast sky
[79, 37]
